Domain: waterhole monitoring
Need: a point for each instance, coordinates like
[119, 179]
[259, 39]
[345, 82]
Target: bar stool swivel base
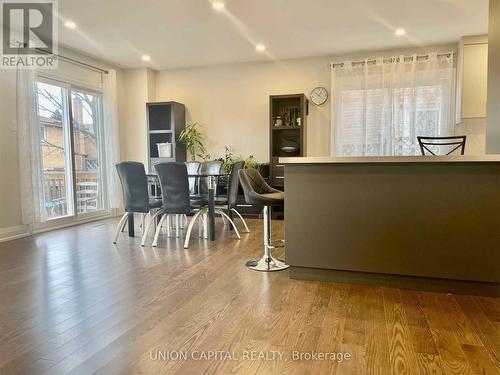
[268, 263]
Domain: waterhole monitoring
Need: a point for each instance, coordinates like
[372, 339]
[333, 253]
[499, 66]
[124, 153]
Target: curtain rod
[392, 59]
[74, 62]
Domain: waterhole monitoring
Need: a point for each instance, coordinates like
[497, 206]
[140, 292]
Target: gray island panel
[396, 219]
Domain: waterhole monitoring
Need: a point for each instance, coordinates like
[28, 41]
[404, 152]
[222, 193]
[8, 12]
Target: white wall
[138, 88]
[475, 130]
[10, 207]
[231, 101]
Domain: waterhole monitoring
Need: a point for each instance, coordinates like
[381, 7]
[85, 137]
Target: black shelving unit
[165, 122]
[287, 139]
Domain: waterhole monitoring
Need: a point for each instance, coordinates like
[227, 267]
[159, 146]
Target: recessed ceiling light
[400, 32]
[70, 24]
[219, 5]
[146, 58]
[260, 47]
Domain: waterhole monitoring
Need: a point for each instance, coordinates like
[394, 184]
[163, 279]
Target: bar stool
[257, 191]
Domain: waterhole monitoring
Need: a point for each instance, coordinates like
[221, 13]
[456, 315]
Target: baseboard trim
[67, 222]
[20, 231]
[14, 232]
[397, 281]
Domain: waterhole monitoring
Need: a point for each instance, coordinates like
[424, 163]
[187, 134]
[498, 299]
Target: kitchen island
[428, 223]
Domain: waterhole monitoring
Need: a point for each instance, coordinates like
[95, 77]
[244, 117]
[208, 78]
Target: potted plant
[251, 163]
[192, 137]
[263, 168]
[228, 160]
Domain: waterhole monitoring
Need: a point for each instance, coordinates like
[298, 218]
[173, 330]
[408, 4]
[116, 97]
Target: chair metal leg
[177, 226]
[123, 228]
[241, 218]
[205, 224]
[200, 226]
[121, 225]
[152, 218]
[124, 225]
[154, 222]
[223, 214]
[143, 220]
[190, 228]
[158, 230]
[223, 220]
[267, 263]
[168, 226]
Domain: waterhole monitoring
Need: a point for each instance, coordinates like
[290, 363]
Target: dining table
[154, 189]
[211, 193]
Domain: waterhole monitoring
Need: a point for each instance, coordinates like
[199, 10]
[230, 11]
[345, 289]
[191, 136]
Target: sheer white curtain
[30, 156]
[379, 108]
[111, 137]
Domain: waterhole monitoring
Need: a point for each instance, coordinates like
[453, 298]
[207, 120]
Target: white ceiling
[182, 33]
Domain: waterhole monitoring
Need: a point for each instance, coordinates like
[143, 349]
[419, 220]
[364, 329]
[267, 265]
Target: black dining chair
[211, 168]
[193, 167]
[175, 195]
[258, 192]
[228, 203]
[135, 194]
[431, 145]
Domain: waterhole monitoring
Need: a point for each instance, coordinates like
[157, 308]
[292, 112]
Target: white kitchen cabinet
[472, 75]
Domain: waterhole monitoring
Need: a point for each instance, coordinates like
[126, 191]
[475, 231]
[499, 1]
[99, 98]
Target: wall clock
[319, 95]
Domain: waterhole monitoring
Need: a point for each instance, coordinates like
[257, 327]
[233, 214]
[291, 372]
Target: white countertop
[390, 159]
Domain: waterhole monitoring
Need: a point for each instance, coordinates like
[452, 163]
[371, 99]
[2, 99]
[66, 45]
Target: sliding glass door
[55, 144]
[70, 139]
[86, 117]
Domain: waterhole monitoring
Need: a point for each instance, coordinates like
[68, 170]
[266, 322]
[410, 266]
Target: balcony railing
[87, 193]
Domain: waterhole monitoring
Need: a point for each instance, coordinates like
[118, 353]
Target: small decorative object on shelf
[289, 149]
[164, 150]
[279, 121]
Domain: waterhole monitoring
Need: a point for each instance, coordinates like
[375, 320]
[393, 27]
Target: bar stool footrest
[277, 243]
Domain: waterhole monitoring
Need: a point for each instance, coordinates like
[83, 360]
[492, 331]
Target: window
[70, 138]
[380, 109]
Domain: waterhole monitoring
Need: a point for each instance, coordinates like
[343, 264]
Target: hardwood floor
[71, 302]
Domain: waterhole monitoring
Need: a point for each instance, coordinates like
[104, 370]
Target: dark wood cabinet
[287, 124]
[165, 122]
